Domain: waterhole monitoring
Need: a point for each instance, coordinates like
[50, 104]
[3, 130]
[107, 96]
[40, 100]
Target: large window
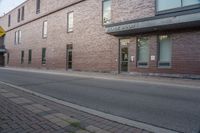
[163, 5]
[70, 21]
[165, 51]
[106, 11]
[43, 55]
[142, 52]
[45, 26]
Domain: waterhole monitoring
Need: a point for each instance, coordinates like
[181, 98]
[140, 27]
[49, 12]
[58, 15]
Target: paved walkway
[21, 112]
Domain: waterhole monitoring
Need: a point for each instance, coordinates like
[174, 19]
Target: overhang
[154, 24]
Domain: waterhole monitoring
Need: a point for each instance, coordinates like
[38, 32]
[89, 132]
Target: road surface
[170, 107]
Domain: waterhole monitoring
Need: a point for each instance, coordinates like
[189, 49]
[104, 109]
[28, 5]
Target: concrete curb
[121, 120]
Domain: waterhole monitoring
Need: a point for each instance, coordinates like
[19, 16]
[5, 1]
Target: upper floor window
[44, 32]
[106, 11]
[37, 6]
[22, 16]
[18, 15]
[70, 21]
[163, 5]
[9, 20]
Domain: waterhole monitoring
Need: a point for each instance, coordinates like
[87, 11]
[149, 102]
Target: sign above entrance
[2, 31]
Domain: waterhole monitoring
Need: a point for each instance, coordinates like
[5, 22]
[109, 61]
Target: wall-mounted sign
[153, 58]
[2, 31]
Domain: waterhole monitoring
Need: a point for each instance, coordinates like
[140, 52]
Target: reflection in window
[143, 51]
[106, 11]
[70, 21]
[171, 4]
[165, 51]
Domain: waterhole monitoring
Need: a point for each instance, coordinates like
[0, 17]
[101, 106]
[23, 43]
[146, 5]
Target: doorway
[124, 55]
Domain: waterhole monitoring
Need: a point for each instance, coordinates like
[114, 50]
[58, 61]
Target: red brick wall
[93, 49]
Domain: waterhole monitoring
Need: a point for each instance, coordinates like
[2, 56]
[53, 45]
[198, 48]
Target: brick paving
[21, 112]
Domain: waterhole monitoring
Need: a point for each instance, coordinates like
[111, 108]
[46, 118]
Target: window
[22, 17]
[142, 52]
[9, 20]
[190, 2]
[29, 56]
[70, 21]
[8, 58]
[106, 11]
[171, 4]
[43, 55]
[37, 6]
[44, 33]
[18, 16]
[22, 57]
[165, 51]
[18, 36]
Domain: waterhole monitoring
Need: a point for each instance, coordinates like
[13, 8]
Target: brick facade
[93, 49]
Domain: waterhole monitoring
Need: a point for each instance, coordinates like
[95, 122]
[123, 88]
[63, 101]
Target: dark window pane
[18, 17]
[37, 6]
[22, 18]
[22, 57]
[29, 56]
[43, 55]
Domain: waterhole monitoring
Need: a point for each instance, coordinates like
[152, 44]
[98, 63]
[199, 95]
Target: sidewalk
[181, 82]
[21, 112]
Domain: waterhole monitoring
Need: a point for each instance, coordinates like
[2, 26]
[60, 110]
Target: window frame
[22, 14]
[103, 12]
[9, 20]
[29, 56]
[19, 15]
[174, 10]
[137, 53]
[44, 36]
[68, 31]
[38, 5]
[44, 56]
[22, 56]
[158, 53]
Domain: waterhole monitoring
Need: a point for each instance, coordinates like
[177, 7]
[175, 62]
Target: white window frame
[45, 29]
[70, 21]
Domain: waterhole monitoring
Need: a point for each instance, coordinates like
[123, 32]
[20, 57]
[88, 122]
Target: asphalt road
[170, 107]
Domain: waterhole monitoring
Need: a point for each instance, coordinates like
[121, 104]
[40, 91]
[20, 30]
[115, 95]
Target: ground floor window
[165, 51]
[29, 56]
[8, 58]
[22, 57]
[43, 55]
[142, 52]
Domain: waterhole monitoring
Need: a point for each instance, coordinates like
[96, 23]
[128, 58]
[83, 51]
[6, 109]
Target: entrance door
[69, 57]
[124, 55]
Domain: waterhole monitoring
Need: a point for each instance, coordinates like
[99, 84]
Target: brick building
[135, 36]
